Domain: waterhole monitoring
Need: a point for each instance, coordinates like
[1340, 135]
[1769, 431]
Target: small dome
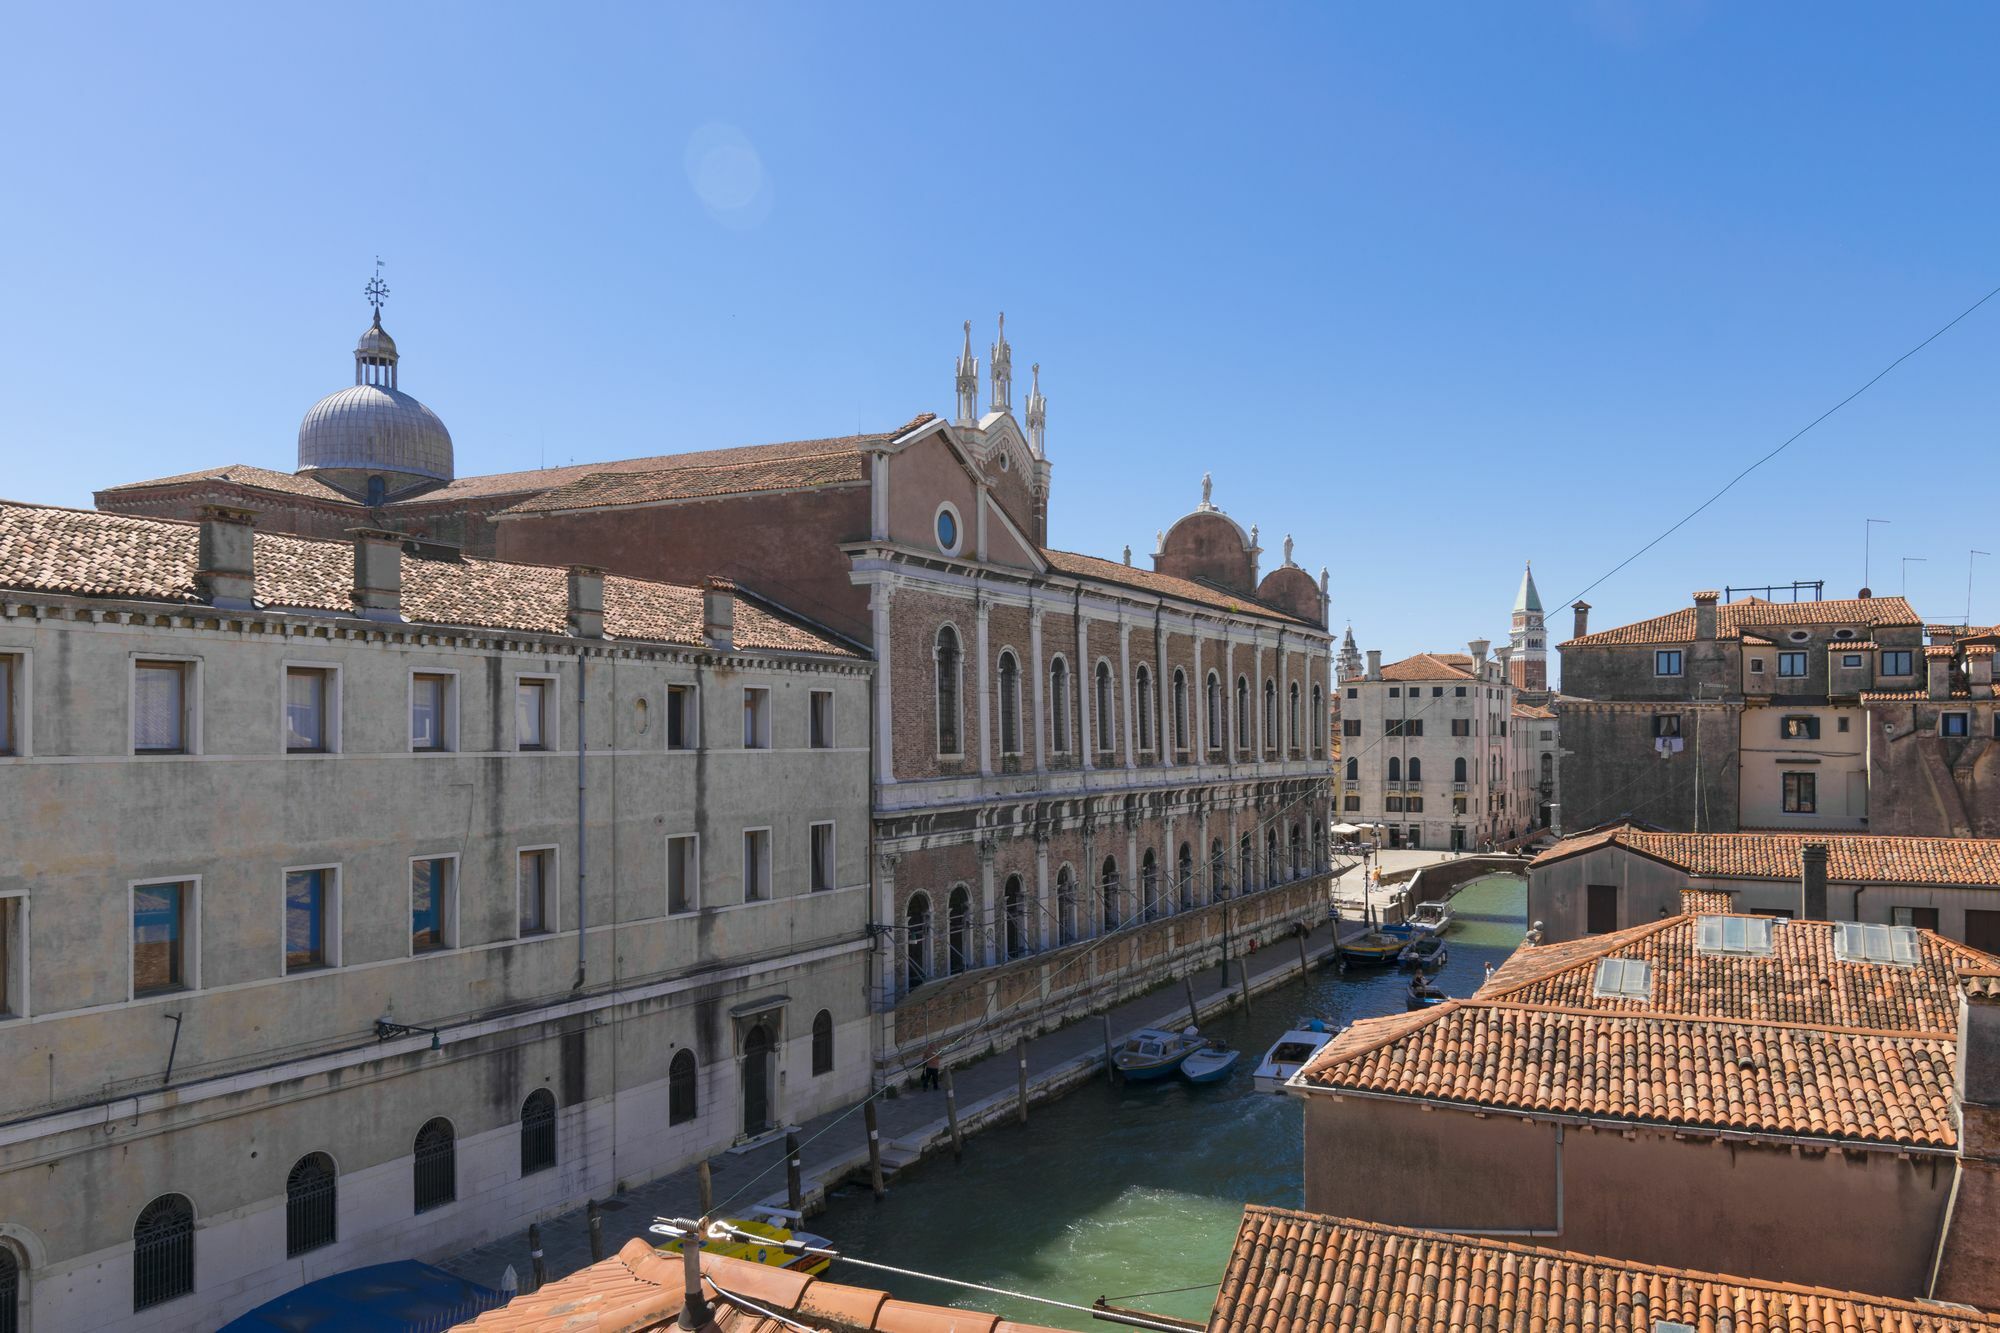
[374, 428]
[376, 342]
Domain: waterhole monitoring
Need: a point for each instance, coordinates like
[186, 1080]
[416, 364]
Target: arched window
[162, 1252]
[682, 1102]
[1218, 870]
[1548, 768]
[538, 1132]
[1107, 732]
[1242, 713]
[822, 1043]
[1142, 703]
[1010, 705]
[1416, 769]
[1292, 728]
[378, 491]
[917, 941]
[1180, 709]
[1270, 714]
[434, 1179]
[1108, 886]
[1149, 885]
[1184, 873]
[11, 1290]
[1246, 864]
[1272, 869]
[1458, 770]
[309, 1205]
[1214, 711]
[1066, 904]
[1395, 769]
[958, 930]
[1298, 849]
[1015, 901]
[1059, 706]
[1354, 770]
[947, 655]
[1318, 723]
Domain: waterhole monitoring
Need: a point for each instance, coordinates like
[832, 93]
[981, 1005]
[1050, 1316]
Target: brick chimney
[1979, 670]
[1478, 649]
[1937, 661]
[1812, 882]
[718, 613]
[1582, 626]
[1374, 664]
[1965, 1270]
[586, 601]
[226, 560]
[1704, 614]
[378, 573]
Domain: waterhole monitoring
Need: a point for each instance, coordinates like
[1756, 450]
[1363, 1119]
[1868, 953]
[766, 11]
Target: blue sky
[1437, 289]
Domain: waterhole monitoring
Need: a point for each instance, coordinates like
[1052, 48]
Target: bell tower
[1528, 664]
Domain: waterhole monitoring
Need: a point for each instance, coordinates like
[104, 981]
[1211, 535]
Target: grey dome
[374, 428]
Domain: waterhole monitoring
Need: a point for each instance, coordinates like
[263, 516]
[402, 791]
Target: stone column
[1228, 699]
[879, 599]
[1163, 698]
[1086, 692]
[1128, 879]
[1206, 874]
[1038, 686]
[1047, 927]
[1198, 702]
[983, 690]
[989, 938]
[889, 943]
[1127, 681]
[1089, 908]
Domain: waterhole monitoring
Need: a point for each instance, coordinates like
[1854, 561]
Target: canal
[1114, 1191]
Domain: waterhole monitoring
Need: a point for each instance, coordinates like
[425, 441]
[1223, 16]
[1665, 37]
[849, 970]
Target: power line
[1789, 441]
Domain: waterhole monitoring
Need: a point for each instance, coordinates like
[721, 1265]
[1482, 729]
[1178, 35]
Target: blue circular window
[947, 530]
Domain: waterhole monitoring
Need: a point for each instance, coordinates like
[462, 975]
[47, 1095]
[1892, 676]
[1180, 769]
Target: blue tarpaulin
[404, 1297]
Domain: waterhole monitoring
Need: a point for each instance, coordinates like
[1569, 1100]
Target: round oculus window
[947, 530]
[1800, 635]
[1003, 462]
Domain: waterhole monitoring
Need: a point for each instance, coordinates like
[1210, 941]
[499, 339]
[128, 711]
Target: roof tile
[1851, 857]
[1731, 618]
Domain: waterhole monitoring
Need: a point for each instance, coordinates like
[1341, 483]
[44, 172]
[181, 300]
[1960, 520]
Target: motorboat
[1289, 1053]
[1434, 918]
[1422, 995]
[1209, 1063]
[1152, 1053]
[1427, 952]
[1380, 944]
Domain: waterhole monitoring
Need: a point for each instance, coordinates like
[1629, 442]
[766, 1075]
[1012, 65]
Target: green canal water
[1113, 1191]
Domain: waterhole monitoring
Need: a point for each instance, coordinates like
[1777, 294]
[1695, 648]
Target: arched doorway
[756, 1081]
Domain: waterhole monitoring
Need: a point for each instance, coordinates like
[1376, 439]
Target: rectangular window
[1350, 726]
[756, 719]
[160, 707]
[1841, 724]
[1756, 666]
[1437, 691]
[1461, 726]
[1801, 793]
[1395, 693]
[1955, 724]
[1850, 660]
[756, 865]
[1413, 805]
[1791, 665]
[820, 720]
[1923, 918]
[1799, 728]
[683, 873]
[1601, 909]
[1666, 726]
[535, 880]
[433, 890]
[1394, 803]
[1458, 691]
[1667, 662]
[1351, 803]
[430, 708]
[310, 934]
[161, 937]
[1353, 693]
[13, 956]
[822, 857]
[308, 710]
[1896, 663]
[10, 707]
[533, 723]
[681, 717]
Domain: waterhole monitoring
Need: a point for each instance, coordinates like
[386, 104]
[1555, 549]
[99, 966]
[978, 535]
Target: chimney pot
[1582, 627]
[1938, 668]
[378, 573]
[1478, 649]
[1374, 664]
[1812, 882]
[1704, 614]
[226, 562]
[586, 601]
[718, 613]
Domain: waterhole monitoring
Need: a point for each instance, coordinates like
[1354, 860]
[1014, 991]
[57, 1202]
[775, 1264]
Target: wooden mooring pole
[793, 1194]
[951, 1118]
[874, 1150]
[1244, 963]
[1304, 966]
[1194, 1010]
[705, 1185]
[596, 1222]
[1021, 1073]
[1110, 1066]
[536, 1264]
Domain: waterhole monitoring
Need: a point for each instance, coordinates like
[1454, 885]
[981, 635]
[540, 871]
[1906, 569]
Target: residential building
[1064, 746]
[1757, 714]
[1292, 1270]
[1800, 1101]
[366, 900]
[1623, 876]
[1934, 752]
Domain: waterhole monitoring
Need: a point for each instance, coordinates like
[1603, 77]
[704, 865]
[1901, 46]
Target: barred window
[822, 1043]
[681, 1102]
[162, 1252]
[310, 1204]
[435, 1171]
[538, 1132]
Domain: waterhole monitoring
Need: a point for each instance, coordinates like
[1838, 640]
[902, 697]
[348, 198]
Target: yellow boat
[768, 1249]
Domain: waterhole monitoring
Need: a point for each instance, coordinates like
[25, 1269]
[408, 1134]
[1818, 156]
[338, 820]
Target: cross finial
[377, 291]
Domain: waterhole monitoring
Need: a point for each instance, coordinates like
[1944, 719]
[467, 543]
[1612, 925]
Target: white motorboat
[1290, 1052]
[1434, 918]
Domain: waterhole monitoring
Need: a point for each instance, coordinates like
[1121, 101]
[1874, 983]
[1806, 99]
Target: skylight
[1669, 1326]
[1623, 979]
[1750, 935]
[1859, 942]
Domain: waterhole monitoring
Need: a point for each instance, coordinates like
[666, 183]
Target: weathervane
[377, 291]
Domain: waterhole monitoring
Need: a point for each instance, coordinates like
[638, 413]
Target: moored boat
[1435, 918]
[1289, 1052]
[1151, 1053]
[1210, 1063]
[1379, 945]
[1427, 952]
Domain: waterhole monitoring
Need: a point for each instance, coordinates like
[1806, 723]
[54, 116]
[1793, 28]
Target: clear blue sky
[1435, 288]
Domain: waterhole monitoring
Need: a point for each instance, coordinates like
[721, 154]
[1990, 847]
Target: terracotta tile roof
[639, 1290]
[1131, 576]
[537, 480]
[1732, 618]
[1858, 858]
[1978, 650]
[603, 490]
[243, 474]
[1295, 1272]
[1431, 666]
[85, 553]
[1853, 645]
[1940, 650]
[1534, 712]
[1707, 902]
[1905, 696]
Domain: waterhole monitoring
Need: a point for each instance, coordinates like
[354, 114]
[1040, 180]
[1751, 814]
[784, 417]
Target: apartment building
[364, 900]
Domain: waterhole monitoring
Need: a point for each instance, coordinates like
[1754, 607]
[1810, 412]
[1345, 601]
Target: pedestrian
[933, 1063]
